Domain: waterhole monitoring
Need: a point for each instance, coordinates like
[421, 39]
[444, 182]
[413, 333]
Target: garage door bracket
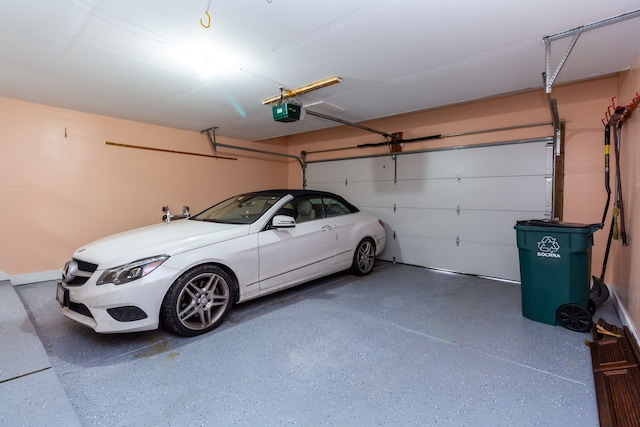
[549, 77]
[575, 33]
[211, 133]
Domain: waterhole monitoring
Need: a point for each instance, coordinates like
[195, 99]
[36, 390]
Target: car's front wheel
[364, 257]
[198, 300]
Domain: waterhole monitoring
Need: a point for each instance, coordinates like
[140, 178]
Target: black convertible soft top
[304, 193]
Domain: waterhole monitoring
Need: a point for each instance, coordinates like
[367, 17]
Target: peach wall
[59, 192]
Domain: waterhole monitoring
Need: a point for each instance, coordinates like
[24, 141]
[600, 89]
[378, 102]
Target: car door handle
[327, 227]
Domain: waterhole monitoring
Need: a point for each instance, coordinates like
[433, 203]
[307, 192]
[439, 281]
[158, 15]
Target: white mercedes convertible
[188, 273]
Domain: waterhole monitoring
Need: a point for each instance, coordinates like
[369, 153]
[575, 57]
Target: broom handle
[619, 203]
[607, 184]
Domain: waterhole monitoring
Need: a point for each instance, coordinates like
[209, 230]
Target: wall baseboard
[4, 276]
[622, 313]
[41, 276]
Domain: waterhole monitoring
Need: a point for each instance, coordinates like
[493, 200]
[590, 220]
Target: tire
[574, 317]
[363, 257]
[198, 301]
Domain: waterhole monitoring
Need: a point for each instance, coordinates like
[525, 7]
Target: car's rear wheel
[364, 257]
[198, 301]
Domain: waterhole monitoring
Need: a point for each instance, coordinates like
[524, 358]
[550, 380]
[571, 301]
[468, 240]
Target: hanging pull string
[208, 20]
[208, 16]
[149, 34]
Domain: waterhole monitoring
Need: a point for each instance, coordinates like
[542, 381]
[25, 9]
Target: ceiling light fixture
[303, 89]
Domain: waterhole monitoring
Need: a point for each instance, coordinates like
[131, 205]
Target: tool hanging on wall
[615, 116]
[619, 204]
[599, 291]
[607, 170]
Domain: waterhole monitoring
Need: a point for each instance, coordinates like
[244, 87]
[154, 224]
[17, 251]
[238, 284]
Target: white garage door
[451, 209]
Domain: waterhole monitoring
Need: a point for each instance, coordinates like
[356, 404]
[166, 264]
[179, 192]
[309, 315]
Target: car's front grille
[80, 308]
[87, 266]
[77, 281]
[76, 272]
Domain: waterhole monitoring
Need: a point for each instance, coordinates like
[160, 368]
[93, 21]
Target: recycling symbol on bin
[548, 244]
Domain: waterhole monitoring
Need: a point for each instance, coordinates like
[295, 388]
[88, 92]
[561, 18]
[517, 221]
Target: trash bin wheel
[574, 317]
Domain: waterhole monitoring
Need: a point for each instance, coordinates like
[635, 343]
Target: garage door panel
[452, 209]
[432, 193]
[392, 250]
[368, 169]
[438, 164]
[505, 193]
[325, 186]
[364, 194]
[480, 259]
[497, 160]
[492, 227]
[433, 223]
[427, 252]
[440, 254]
[405, 225]
[469, 257]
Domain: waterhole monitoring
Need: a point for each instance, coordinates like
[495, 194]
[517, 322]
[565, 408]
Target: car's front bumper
[110, 308]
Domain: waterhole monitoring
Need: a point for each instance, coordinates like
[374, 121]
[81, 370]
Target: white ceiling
[137, 60]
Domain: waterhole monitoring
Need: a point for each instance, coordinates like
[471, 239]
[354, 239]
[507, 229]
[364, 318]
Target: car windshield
[243, 209]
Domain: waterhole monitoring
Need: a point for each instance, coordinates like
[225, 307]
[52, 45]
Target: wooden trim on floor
[616, 375]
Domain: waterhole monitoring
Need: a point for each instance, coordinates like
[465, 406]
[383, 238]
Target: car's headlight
[132, 271]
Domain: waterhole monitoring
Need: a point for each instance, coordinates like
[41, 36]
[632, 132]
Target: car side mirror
[283, 221]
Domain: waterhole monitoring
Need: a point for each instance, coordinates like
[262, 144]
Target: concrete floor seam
[512, 362]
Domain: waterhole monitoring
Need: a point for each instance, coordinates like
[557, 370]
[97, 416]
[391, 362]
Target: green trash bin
[555, 272]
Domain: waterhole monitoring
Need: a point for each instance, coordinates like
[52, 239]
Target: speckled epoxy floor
[402, 346]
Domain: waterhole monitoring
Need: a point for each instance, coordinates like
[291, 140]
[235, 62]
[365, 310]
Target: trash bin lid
[558, 224]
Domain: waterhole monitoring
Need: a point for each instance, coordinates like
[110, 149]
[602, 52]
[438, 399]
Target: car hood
[159, 239]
